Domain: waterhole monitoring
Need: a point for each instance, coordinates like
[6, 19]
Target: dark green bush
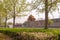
[18, 34]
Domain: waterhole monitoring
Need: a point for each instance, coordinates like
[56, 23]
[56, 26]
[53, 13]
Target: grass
[52, 30]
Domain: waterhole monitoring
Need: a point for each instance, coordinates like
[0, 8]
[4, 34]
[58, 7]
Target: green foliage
[50, 22]
[8, 7]
[20, 32]
[54, 30]
[3, 12]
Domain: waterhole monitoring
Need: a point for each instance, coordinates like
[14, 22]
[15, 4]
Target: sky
[34, 13]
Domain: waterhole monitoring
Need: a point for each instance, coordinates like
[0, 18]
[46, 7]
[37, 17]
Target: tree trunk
[46, 14]
[6, 21]
[14, 16]
[0, 20]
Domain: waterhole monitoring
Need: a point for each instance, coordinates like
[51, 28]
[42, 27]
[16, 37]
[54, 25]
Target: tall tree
[7, 9]
[46, 14]
[48, 6]
[2, 12]
[15, 7]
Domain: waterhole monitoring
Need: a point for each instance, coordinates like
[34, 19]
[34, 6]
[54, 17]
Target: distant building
[41, 23]
[33, 23]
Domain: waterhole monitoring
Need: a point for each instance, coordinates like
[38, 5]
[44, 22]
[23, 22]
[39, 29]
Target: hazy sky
[34, 13]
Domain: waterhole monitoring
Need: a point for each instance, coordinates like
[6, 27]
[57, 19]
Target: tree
[48, 6]
[18, 7]
[15, 7]
[31, 18]
[46, 14]
[2, 12]
[5, 10]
